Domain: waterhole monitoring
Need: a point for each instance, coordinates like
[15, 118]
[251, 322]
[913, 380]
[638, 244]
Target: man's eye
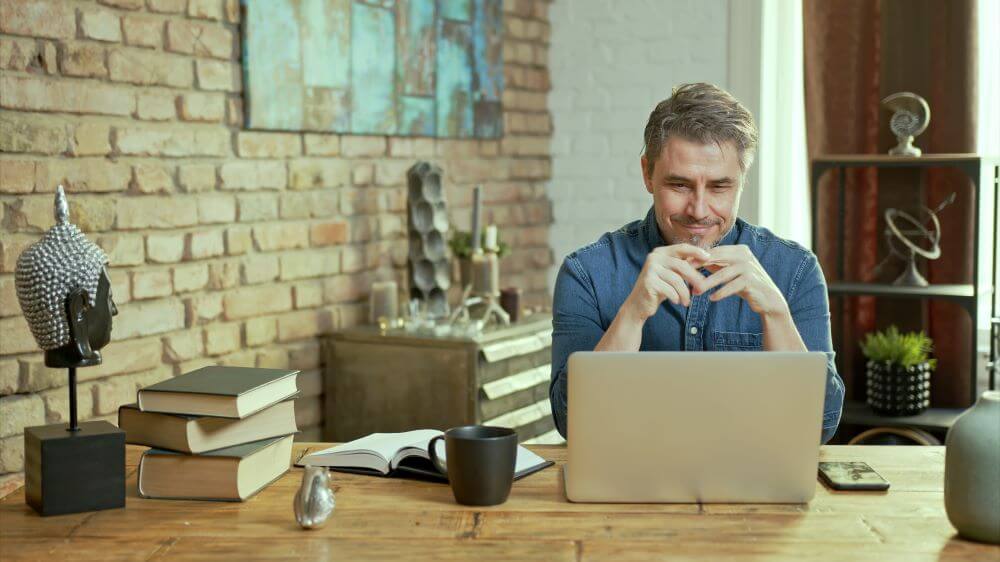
[677, 186]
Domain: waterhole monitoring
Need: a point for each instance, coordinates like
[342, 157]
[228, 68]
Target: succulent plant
[892, 346]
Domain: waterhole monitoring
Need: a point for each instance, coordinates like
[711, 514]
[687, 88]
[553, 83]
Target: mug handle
[443, 469]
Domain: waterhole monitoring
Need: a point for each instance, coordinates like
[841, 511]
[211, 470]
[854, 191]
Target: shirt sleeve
[810, 308]
[576, 326]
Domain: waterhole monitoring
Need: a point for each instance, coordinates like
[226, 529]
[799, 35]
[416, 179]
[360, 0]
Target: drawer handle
[523, 416]
[521, 346]
[519, 381]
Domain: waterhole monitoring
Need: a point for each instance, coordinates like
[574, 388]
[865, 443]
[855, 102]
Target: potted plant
[899, 371]
[461, 247]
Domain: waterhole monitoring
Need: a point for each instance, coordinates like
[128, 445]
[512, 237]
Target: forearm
[780, 333]
[624, 333]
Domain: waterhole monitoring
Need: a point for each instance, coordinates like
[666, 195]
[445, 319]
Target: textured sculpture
[894, 235]
[314, 502]
[62, 261]
[910, 117]
[430, 268]
[65, 293]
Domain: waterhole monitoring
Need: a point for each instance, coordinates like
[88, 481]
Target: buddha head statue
[65, 293]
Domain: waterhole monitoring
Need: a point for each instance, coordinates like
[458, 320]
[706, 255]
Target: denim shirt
[594, 282]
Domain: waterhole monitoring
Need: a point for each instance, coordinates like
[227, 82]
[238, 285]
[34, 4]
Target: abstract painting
[379, 67]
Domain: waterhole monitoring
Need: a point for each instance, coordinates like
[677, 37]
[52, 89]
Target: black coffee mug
[480, 462]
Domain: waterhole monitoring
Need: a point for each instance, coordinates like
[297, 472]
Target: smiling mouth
[697, 228]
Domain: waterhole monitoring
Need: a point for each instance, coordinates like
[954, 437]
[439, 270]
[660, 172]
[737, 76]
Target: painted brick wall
[227, 246]
[611, 62]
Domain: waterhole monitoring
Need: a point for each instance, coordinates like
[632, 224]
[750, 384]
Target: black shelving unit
[985, 175]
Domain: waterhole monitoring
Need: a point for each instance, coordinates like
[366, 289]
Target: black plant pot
[894, 390]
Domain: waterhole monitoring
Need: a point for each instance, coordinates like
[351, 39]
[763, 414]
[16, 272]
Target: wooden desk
[402, 520]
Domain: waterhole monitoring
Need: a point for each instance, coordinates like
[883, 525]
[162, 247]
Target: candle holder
[383, 305]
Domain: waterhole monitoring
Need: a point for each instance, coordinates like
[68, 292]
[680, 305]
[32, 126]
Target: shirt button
[694, 330]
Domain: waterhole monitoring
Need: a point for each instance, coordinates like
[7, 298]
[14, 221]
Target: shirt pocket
[736, 341]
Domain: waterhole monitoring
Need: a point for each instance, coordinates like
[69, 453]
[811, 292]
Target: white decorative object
[491, 238]
[910, 117]
[972, 471]
[429, 266]
[314, 502]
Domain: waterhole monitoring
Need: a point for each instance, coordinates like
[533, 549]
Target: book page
[381, 445]
[525, 458]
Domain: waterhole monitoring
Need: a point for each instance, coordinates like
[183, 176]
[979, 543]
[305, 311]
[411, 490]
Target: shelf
[859, 413]
[952, 292]
[877, 159]
[970, 162]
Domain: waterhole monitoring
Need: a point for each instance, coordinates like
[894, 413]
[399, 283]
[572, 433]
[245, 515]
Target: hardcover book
[228, 392]
[230, 474]
[197, 434]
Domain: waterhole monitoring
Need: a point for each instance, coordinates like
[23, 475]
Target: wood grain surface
[396, 519]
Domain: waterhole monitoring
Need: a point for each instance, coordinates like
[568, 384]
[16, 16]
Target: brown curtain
[856, 53]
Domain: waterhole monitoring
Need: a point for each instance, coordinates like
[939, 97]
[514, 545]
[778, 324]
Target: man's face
[696, 190]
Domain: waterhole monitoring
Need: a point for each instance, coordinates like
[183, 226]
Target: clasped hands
[672, 273]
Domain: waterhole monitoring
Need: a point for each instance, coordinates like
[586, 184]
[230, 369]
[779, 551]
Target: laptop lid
[689, 427]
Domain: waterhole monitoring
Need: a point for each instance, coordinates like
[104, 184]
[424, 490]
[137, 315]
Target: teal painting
[376, 67]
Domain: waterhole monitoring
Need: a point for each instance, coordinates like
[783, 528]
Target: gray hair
[703, 113]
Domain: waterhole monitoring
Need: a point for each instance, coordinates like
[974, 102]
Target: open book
[389, 454]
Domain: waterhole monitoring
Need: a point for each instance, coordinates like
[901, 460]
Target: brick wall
[599, 108]
[227, 246]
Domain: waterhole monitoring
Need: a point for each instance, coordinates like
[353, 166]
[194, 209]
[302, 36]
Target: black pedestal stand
[69, 468]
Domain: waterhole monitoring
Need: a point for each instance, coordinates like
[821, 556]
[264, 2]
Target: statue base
[74, 471]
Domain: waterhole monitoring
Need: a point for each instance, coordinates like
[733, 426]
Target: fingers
[734, 287]
[676, 282]
[665, 291]
[721, 276]
[723, 255]
[689, 274]
[684, 268]
[686, 251]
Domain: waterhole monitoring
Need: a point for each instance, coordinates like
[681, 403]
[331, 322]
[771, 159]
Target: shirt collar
[655, 240]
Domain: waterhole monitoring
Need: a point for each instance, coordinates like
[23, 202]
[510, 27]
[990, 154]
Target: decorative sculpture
[910, 117]
[895, 235]
[430, 268]
[314, 502]
[484, 268]
[64, 290]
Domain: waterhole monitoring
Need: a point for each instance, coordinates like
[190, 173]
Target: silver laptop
[694, 427]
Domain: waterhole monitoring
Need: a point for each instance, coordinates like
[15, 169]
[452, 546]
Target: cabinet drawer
[529, 421]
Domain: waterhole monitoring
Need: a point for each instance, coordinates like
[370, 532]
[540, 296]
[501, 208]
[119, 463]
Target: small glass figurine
[314, 502]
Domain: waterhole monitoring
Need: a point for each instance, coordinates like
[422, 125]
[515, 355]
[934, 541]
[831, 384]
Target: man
[692, 275]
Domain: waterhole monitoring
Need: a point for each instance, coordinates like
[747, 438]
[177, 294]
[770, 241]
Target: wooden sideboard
[397, 381]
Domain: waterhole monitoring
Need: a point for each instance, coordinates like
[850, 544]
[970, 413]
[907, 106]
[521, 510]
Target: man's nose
[696, 205]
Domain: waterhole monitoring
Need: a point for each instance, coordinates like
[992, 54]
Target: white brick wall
[611, 62]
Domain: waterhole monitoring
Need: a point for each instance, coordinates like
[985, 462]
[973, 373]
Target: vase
[972, 471]
[895, 390]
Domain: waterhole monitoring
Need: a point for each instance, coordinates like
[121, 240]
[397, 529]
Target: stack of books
[217, 433]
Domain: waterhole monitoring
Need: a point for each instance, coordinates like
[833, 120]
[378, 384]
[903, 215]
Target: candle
[476, 210]
[383, 303]
[485, 274]
[491, 238]
[510, 302]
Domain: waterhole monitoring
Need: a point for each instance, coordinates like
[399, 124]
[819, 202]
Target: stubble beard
[694, 239]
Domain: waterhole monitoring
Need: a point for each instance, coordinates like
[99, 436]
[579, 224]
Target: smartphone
[851, 476]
